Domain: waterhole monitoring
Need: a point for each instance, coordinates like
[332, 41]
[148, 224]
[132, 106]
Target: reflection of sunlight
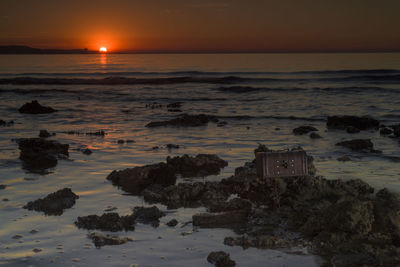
[103, 60]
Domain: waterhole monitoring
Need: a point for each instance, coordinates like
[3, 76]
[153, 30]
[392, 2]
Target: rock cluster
[54, 203]
[35, 108]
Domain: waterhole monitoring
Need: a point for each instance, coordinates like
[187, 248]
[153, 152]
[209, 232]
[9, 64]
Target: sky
[189, 25]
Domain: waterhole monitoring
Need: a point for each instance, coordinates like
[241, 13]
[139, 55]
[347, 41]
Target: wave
[208, 73]
[354, 89]
[191, 79]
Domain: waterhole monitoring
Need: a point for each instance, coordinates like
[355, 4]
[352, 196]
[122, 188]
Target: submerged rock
[149, 215]
[175, 105]
[344, 158]
[315, 136]
[305, 129]
[107, 222]
[172, 146]
[87, 151]
[201, 165]
[35, 108]
[358, 144]
[220, 259]
[38, 154]
[6, 123]
[185, 120]
[100, 240]
[54, 203]
[2, 186]
[342, 122]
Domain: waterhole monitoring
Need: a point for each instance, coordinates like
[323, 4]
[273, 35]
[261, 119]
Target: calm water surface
[256, 94]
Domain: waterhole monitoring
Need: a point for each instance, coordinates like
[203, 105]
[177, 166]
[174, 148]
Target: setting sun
[103, 49]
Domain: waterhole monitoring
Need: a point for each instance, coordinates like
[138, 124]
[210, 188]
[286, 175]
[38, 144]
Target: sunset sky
[187, 25]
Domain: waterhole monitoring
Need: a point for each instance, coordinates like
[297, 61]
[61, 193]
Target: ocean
[261, 97]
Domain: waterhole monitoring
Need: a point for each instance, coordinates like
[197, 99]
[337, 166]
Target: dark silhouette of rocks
[220, 259]
[150, 215]
[358, 144]
[361, 123]
[185, 120]
[6, 123]
[172, 223]
[35, 108]
[100, 240]
[201, 165]
[304, 130]
[38, 154]
[107, 222]
[315, 136]
[54, 203]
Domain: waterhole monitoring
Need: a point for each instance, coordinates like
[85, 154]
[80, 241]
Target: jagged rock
[342, 122]
[185, 120]
[220, 259]
[201, 165]
[304, 130]
[358, 144]
[54, 203]
[135, 180]
[38, 154]
[172, 223]
[149, 215]
[35, 108]
[352, 130]
[315, 136]
[101, 240]
[107, 222]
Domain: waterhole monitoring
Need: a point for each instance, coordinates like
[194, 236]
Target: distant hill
[20, 49]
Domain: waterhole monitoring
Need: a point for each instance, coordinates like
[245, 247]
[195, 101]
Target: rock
[174, 110]
[100, 240]
[44, 134]
[135, 180]
[201, 165]
[342, 122]
[98, 133]
[352, 130]
[172, 223]
[386, 131]
[38, 154]
[54, 203]
[87, 151]
[229, 219]
[315, 136]
[130, 141]
[149, 215]
[185, 120]
[358, 144]
[344, 158]
[35, 108]
[175, 105]
[17, 237]
[172, 146]
[304, 130]
[37, 250]
[120, 141]
[396, 130]
[107, 222]
[220, 259]
[2, 186]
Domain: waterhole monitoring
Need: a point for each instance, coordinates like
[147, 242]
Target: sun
[103, 49]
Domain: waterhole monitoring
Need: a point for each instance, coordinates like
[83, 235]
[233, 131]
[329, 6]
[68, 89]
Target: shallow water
[258, 94]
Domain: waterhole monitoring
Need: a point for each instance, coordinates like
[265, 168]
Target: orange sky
[186, 25]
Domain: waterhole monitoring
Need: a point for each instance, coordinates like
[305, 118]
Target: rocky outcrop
[201, 165]
[185, 120]
[54, 203]
[343, 122]
[35, 108]
[107, 222]
[150, 215]
[220, 259]
[135, 180]
[38, 154]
